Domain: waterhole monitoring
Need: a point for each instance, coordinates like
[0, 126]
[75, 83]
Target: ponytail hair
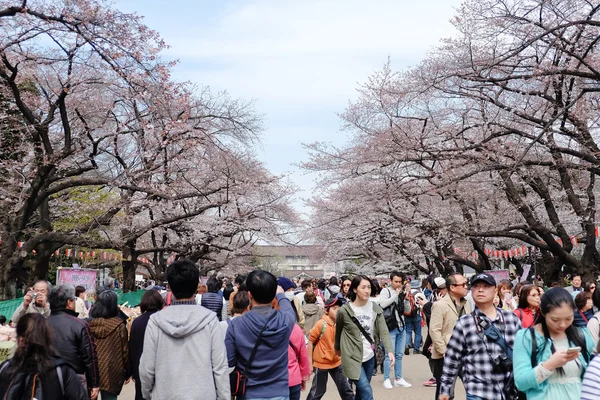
[555, 298]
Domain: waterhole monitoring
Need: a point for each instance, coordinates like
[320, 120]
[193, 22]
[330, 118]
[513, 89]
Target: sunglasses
[460, 284]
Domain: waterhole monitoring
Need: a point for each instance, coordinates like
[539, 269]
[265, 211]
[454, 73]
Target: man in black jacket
[72, 338]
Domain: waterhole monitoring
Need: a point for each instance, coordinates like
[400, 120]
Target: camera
[503, 363]
[34, 295]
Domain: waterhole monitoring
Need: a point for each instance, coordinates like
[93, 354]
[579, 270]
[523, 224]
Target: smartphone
[574, 349]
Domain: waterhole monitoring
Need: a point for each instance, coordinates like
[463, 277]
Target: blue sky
[300, 60]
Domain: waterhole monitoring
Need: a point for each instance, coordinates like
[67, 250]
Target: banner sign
[526, 271]
[77, 277]
[499, 274]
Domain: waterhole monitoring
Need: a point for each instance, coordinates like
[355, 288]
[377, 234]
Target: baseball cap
[440, 283]
[334, 301]
[483, 278]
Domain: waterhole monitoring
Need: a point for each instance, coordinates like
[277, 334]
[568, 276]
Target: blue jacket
[524, 372]
[580, 321]
[268, 374]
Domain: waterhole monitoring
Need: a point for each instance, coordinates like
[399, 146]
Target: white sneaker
[387, 384]
[401, 382]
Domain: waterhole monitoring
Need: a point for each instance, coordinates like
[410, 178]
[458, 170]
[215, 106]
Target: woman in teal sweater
[556, 373]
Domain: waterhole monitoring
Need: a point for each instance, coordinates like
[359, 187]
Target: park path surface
[416, 371]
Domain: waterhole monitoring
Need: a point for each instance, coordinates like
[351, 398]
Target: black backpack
[28, 385]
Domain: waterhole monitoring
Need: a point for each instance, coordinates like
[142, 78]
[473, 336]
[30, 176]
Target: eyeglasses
[460, 284]
[346, 284]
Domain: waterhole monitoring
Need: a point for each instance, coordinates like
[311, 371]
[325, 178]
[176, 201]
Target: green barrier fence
[8, 307]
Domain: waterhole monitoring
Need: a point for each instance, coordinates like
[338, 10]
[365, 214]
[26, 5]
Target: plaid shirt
[467, 349]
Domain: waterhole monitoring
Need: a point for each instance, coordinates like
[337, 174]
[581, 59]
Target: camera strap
[494, 333]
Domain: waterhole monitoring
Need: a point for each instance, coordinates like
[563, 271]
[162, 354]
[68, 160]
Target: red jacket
[298, 366]
[526, 316]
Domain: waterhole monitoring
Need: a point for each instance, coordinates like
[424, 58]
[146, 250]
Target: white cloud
[301, 60]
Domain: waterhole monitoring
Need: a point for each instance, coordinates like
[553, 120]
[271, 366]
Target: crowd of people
[263, 337]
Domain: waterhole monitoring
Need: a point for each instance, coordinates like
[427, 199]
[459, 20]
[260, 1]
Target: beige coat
[444, 315]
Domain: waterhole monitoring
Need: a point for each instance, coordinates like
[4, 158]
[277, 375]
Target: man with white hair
[35, 301]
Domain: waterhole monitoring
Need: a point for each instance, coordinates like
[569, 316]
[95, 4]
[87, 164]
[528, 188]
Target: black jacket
[136, 347]
[74, 342]
[51, 388]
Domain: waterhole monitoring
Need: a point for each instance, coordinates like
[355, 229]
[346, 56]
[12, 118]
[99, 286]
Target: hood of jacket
[276, 333]
[310, 309]
[182, 320]
[104, 327]
[334, 289]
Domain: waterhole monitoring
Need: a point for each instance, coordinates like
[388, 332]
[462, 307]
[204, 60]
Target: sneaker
[401, 382]
[387, 384]
[416, 351]
[430, 383]
[406, 350]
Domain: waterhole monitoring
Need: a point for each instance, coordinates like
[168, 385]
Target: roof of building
[311, 251]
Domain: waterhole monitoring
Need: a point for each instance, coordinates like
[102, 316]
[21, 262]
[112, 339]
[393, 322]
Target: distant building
[302, 262]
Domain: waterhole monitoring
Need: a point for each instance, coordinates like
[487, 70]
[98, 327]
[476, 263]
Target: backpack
[410, 305]
[28, 385]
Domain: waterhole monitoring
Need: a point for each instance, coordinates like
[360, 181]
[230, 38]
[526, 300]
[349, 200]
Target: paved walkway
[416, 371]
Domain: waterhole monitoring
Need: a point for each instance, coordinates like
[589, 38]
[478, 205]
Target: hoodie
[312, 313]
[268, 374]
[112, 348]
[184, 355]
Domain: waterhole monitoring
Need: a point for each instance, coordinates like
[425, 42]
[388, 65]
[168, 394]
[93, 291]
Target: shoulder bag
[237, 379]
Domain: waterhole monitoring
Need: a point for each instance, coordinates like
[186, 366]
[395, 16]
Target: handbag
[238, 379]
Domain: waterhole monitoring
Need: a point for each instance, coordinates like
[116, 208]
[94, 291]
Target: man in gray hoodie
[184, 355]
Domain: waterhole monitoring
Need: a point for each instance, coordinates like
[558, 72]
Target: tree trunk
[129, 267]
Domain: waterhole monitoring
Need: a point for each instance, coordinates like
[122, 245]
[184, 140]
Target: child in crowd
[322, 356]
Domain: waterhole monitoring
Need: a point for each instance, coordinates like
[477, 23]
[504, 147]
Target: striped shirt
[591, 381]
[467, 349]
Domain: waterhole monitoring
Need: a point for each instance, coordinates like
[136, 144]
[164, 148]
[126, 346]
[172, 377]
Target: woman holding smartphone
[551, 357]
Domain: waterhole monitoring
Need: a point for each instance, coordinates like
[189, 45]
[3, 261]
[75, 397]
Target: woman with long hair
[151, 302]
[551, 357]
[34, 362]
[505, 293]
[112, 344]
[358, 322]
[529, 302]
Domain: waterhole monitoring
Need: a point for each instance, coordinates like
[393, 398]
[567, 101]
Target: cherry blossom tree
[490, 140]
[105, 151]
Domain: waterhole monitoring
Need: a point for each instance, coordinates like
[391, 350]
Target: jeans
[104, 395]
[319, 384]
[398, 338]
[295, 392]
[364, 391]
[413, 323]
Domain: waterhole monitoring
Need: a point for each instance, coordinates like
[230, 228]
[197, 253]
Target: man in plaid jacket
[486, 366]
